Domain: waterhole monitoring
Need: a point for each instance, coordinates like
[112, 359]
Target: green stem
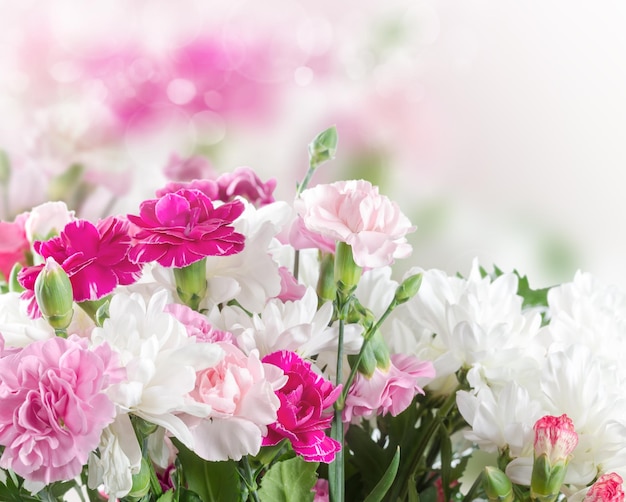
[249, 479]
[335, 470]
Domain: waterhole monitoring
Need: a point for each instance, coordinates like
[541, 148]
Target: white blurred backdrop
[499, 126]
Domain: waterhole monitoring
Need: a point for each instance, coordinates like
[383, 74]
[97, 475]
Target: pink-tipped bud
[555, 437]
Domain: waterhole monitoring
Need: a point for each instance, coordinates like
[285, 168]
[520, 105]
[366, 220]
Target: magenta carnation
[53, 407]
[305, 409]
[183, 227]
[242, 182]
[95, 257]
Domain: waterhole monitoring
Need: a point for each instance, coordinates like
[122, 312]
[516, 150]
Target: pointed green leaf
[289, 481]
[386, 481]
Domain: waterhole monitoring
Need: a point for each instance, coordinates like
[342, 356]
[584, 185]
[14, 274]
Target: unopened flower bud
[54, 295]
[375, 354]
[408, 289]
[555, 440]
[498, 486]
[326, 288]
[323, 147]
[13, 283]
[141, 482]
[191, 283]
[347, 273]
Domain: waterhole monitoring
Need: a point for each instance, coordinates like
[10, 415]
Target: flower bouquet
[219, 345]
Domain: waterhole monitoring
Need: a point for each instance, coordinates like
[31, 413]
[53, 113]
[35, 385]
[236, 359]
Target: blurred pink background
[499, 127]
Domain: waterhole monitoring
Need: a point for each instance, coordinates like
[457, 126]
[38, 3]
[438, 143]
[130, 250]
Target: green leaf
[168, 496]
[289, 481]
[211, 481]
[386, 481]
[532, 297]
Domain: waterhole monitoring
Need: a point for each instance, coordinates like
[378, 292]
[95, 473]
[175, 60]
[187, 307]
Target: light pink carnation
[183, 227]
[187, 169]
[13, 244]
[608, 488]
[355, 213]
[390, 391]
[241, 392]
[197, 326]
[53, 407]
[290, 289]
[305, 409]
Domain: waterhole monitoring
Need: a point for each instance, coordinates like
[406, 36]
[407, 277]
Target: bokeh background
[498, 126]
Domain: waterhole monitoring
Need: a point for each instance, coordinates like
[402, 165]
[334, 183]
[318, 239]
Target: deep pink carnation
[305, 409]
[608, 488]
[183, 227]
[390, 391]
[53, 407]
[95, 257]
[242, 182]
[13, 244]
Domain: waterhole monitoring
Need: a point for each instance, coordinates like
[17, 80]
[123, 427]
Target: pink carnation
[555, 437]
[305, 409]
[290, 289]
[355, 213]
[183, 227]
[13, 244]
[390, 391]
[321, 489]
[244, 182]
[608, 488]
[197, 326]
[95, 257]
[241, 393]
[53, 407]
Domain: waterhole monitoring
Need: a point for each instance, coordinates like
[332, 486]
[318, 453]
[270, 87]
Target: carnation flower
[183, 227]
[240, 391]
[608, 488]
[197, 325]
[95, 257]
[355, 213]
[304, 412]
[13, 244]
[555, 437]
[389, 391]
[53, 406]
[244, 182]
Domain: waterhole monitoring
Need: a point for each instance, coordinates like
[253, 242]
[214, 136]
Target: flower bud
[498, 486]
[375, 354]
[326, 288]
[408, 289]
[13, 283]
[191, 284]
[141, 482]
[555, 440]
[54, 295]
[347, 273]
[323, 147]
